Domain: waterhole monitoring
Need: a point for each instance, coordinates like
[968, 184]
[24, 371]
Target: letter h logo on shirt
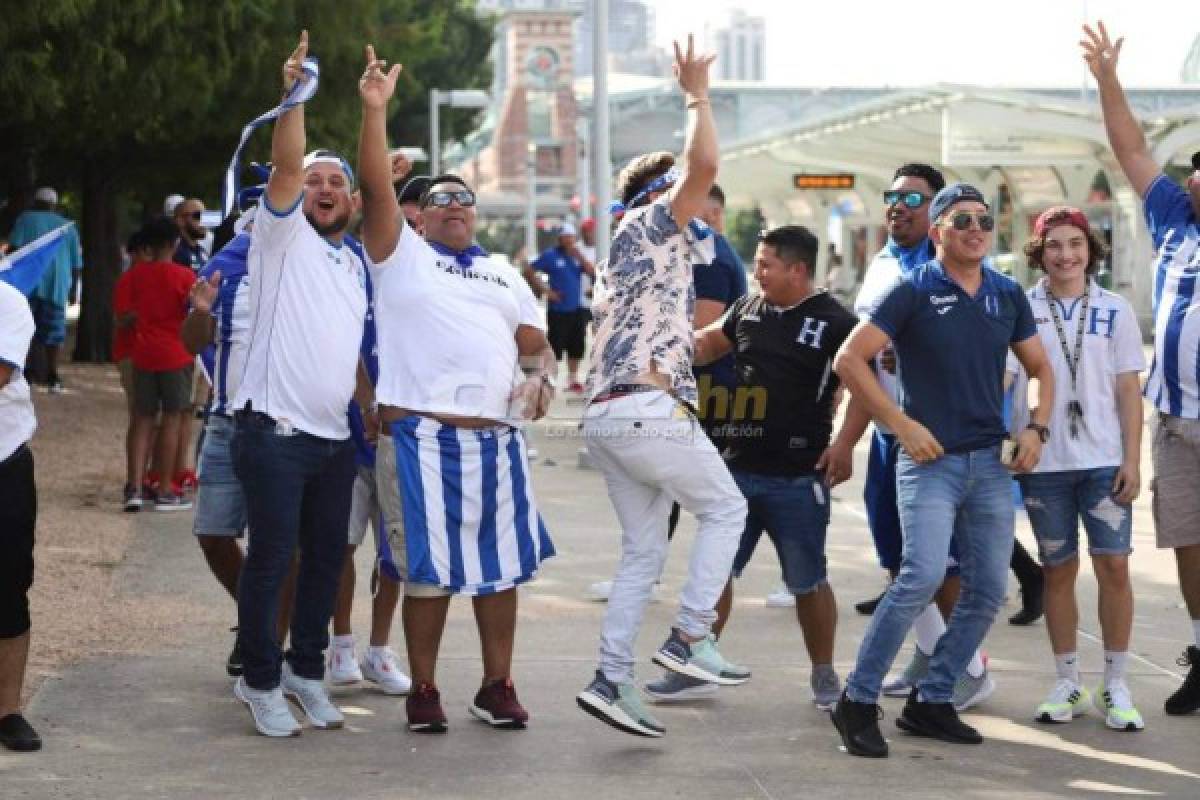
[1109, 323]
[811, 331]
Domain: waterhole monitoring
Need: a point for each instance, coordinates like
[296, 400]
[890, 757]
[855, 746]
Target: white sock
[928, 628]
[344, 641]
[976, 667]
[1114, 666]
[375, 652]
[1196, 631]
[1066, 666]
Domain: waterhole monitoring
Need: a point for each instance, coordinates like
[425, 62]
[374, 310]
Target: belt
[624, 390]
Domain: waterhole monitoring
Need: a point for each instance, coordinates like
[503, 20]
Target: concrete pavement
[165, 724]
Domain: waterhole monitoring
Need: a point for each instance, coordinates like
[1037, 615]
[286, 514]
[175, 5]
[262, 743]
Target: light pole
[600, 150]
[531, 203]
[455, 98]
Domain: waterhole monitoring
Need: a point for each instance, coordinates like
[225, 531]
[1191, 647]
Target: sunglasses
[961, 221]
[910, 199]
[443, 199]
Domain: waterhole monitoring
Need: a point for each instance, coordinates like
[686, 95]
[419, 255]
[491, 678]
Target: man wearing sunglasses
[456, 331]
[1173, 385]
[952, 322]
[191, 251]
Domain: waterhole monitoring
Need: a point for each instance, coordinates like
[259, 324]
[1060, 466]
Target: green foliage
[742, 231]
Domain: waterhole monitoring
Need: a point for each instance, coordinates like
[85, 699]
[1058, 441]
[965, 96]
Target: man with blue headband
[641, 425]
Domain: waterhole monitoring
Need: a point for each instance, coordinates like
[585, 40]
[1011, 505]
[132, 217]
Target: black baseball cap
[413, 189]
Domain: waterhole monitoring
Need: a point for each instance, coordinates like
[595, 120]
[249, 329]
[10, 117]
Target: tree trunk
[101, 262]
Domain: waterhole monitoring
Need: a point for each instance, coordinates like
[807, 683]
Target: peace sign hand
[293, 68]
[377, 86]
[691, 70]
[1100, 53]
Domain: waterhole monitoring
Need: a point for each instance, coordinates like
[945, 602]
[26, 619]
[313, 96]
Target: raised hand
[691, 70]
[204, 293]
[293, 68]
[378, 83]
[1100, 52]
[401, 166]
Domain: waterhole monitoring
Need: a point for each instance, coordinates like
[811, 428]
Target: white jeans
[653, 452]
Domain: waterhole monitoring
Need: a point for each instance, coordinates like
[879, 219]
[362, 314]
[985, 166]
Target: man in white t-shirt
[292, 450]
[454, 329]
[18, 515]
[1089, 469]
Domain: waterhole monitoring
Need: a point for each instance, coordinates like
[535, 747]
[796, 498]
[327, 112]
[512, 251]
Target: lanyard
[1074, 409]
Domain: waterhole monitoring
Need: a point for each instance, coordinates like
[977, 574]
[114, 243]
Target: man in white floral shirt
[641, 427]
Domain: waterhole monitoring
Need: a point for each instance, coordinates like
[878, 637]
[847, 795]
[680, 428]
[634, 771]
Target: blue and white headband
[664, 181]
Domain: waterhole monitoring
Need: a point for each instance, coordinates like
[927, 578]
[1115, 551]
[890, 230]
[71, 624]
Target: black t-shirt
[782, 411]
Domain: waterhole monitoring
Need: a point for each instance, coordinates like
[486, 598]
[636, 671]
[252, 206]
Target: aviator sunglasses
[910, 199]
[961, 221]
[443, 199]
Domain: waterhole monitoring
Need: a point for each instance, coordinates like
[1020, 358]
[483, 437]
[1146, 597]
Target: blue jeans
[794, 511]
[1057, 501]
[962, 496]
[297, 490]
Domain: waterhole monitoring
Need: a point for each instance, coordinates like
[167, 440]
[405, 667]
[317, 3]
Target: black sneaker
[233, 664]
[935, 720]
[858, 725]
[17, 734]
[1187, 697]
[867, 607]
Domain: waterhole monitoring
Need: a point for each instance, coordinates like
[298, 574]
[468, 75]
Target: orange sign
[830, 180]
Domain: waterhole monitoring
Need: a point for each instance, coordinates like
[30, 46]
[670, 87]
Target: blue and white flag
[471, 524]
[300, 93]
[23, 268]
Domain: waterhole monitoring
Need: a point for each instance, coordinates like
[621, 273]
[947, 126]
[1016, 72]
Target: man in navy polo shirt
[952, 322]
[1173, 385]
[567, 315]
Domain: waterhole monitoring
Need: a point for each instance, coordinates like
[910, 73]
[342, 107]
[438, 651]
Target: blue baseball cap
[954, 193]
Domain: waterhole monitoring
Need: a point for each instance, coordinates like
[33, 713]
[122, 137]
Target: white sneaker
[1066, 701]
[313, 698]
[1115, 701]
[272, 717]
[343, 666]
[781, 598]
[383, 670]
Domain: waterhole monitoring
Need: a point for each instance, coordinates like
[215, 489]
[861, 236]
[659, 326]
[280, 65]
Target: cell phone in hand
[1008, 452]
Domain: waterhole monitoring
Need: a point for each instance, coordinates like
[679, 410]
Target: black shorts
[18, 517]
[567, 331]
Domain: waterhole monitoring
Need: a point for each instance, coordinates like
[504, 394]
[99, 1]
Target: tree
[127, 100]
[742, 231]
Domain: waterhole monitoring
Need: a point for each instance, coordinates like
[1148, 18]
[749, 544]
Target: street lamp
[455, 98]
[531, 203]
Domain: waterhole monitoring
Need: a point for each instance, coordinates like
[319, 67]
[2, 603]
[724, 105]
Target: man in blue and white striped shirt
[1173, 217]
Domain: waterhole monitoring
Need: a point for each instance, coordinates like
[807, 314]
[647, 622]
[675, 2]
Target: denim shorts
[1057, 501]
[220, 504]
[794, 512]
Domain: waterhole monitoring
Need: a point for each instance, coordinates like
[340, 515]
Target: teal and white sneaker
[619, 705]
[1116, 703]
[699, 660]
[673, 687]
[902, 685]
[826, 687]
[1066, 701]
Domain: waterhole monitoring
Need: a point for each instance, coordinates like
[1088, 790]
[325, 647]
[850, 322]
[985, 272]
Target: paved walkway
[166, 725]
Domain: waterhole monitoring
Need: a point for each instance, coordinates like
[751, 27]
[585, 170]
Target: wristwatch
[1042, 431]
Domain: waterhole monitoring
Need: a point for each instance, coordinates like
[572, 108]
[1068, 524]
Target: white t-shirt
[308, 300]
[446, 333]
[1112, 344]
[17, 421]
[882, 274]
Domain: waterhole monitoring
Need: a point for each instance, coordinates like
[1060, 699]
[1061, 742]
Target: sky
[919, 42]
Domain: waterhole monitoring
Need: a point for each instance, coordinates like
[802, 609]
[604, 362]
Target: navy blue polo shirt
[566, 278]
[724, 280]
[951, 349]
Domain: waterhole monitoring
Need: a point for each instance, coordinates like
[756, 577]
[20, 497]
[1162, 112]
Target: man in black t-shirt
[778, 443]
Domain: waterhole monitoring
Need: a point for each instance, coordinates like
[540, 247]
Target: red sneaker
[186, 480]
[496, 704]
[424, 709]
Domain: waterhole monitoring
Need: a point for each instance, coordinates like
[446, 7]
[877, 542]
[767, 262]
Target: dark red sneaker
[496, 704]
[424, 707]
